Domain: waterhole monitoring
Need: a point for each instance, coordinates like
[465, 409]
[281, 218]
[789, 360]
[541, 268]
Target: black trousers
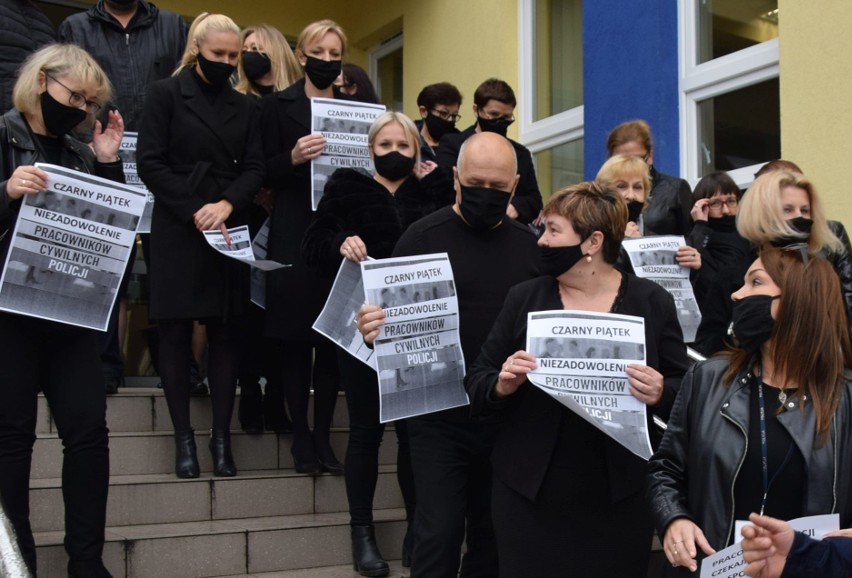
[64, 362]
[365, 437]
[452, 478]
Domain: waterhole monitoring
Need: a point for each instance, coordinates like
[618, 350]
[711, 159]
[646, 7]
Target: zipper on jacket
[736, 473]
[126, 39]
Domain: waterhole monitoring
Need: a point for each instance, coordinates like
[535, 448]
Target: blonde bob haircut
[412, 135]
[617, 166]
[761, 219]
[201, 27]
[285, 68]
[59, 61]
[316, 31]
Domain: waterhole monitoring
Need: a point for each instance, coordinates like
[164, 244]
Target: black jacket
[692, 475]
[527, 199]
[669, 206]
[356, 204]
[23, 29]
[149, 49]
[191, 153]
[17, 148]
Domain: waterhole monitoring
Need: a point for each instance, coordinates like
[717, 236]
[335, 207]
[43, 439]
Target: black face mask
[726, 224]
[483, 208]
[256, 64]
[498, 125]
[394, 165]
[438, 127]
[59, 118]
[800, 224]
[216, 73]
[322, 73]
[122, 5]
[557, 260]
[634, 210]
[753, 323]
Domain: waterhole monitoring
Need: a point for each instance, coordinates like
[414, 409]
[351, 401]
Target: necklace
[782, 392]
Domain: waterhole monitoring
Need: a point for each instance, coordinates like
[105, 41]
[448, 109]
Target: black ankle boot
[220, 449]
[251, 406]
[87, 569]
[366, 558]
[325, 456]
[186, 459]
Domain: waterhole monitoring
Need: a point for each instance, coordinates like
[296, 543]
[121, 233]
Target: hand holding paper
[646, 383]
[370, 319]
[212, 215]
[514, 373]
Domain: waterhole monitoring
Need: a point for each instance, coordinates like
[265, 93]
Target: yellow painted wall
[816, 96]
[462, 42]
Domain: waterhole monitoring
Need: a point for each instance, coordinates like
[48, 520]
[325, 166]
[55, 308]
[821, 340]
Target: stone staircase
[267, 521]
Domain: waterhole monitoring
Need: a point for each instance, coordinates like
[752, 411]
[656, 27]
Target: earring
[588, 258]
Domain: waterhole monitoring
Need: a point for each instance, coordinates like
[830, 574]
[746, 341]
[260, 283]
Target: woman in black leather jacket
[58, 87]
[791, 369]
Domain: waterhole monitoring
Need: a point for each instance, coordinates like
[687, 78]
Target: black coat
[527, 199]
[693, 473]
[24, 28]
[294, 295]
[669, 206]
[356, 204]
[191, 153]
[148, 50]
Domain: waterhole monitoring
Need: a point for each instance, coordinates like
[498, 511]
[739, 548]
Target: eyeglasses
[504, 119]
[717, 204]
[76, 99]
[446, 115]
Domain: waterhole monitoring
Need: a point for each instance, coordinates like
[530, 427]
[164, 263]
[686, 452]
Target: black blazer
[527, 199]
[294, 295]
[190, 153]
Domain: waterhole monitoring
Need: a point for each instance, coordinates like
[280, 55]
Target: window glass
[726, 26]
[558, 57]
[559, 166]
[389, 80]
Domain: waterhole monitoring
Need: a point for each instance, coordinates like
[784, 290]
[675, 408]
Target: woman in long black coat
[200, 155]
[295, 295]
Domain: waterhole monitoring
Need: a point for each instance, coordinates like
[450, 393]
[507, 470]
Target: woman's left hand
[106, 142]
[646, 383]
[213, 216]
[424, 168]
[688, 257]
[354, 249]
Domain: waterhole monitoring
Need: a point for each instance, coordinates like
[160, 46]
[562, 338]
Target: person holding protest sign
[58, 87]
[767, 427]
[359, 216]
[566, 495]
[200, 156]
[295, 295]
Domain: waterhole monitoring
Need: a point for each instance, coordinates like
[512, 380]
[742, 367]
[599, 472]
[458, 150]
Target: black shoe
[327, 459]
[366, 558]
[220, 449]
[407, 547]
[186, 458]
[250, 410]
[112, 384]
[304, 459]
[198, 389]
[87, 569]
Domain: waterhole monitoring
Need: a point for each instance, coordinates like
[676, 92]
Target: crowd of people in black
[515, 484]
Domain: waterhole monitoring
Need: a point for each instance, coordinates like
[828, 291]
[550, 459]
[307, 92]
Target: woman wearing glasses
[767, 427]
[58, 88]
[714, 232]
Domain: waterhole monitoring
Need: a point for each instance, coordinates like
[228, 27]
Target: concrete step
[164, 499]
[238, 547]
[345, 571]
[153, 452]
[143, 409]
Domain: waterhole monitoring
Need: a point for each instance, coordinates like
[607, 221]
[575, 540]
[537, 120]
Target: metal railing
[694, 356]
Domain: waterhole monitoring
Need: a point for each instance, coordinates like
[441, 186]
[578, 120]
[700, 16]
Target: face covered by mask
[122, 5]
[557, 260]
[394, 165]
[483, 208]
[802, 225]
[438, 127]
[726, 224]
[256, 64]
[216, 73]
[322, 73]
[753, 323]
[634, 210]
[59, 118]
[498, 125]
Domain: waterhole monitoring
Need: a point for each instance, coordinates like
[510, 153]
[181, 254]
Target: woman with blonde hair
[58, 87]
[296, 295]
[361, 215]
[200, 156]
[267, 63]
